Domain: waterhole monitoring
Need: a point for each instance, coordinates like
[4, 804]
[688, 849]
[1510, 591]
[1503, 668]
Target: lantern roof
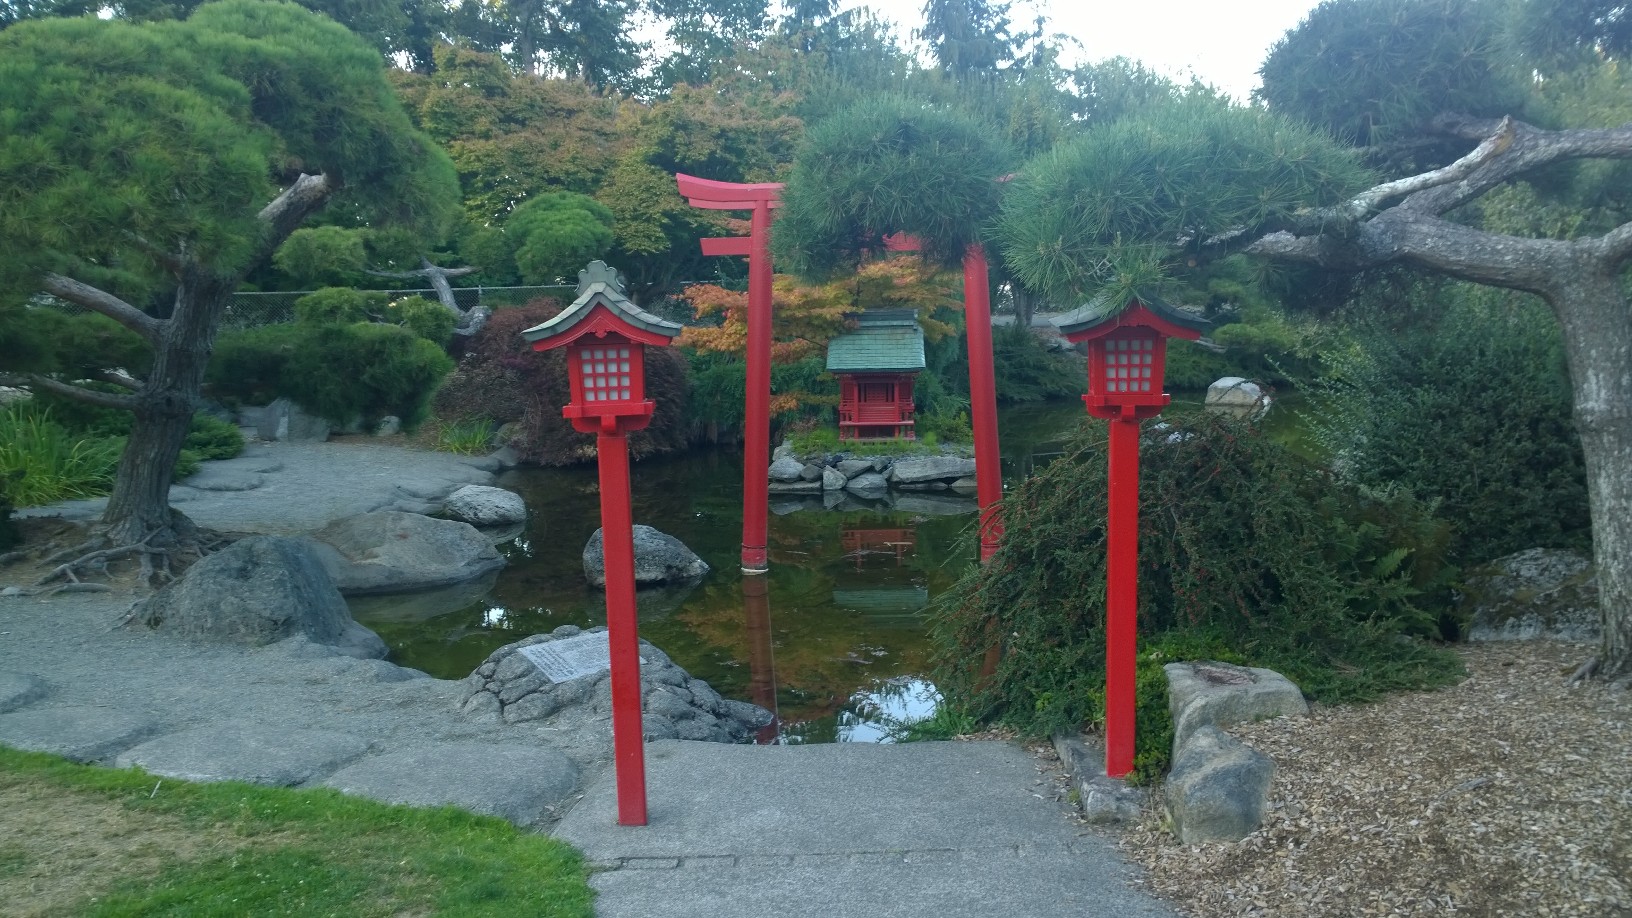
[601, 286]
[884, 341]
[1105, 314]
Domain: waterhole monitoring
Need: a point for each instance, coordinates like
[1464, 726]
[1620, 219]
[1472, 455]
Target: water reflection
[881, 713]
[831, 640]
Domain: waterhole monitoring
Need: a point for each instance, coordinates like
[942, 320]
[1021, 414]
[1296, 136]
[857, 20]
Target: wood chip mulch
[1509, 794]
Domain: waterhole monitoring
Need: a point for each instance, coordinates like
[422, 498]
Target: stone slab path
[923, 830]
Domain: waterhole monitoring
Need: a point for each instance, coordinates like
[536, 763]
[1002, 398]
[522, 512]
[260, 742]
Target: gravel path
[286, 488]
[1509, 794]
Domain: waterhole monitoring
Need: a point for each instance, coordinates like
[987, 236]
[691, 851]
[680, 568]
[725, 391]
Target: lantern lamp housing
[606, 337]
[1127, 352]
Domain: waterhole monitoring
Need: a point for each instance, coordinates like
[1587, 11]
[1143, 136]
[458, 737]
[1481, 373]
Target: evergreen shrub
[1246, 553]
[338, 371]
[339, 304]
[426, 318]
[1474, 412]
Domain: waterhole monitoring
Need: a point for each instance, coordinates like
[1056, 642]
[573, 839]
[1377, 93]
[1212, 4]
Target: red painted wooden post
[1121, 595]
[618, 545]
[983, 399]
[1127, 346]
[756, 424]
[605, 337]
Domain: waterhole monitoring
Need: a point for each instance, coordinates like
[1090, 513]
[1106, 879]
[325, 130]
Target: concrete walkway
[939, 830]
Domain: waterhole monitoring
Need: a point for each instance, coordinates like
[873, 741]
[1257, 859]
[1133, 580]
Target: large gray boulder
[481, 505]
[388, 551]
[1539, 593]
[257, 591]
[521, 782]
[564, 678]
[1218, 788]
[659, 558]
[931, 468]
[1222, 695]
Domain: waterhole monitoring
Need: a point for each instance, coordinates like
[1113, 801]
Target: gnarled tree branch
[290, 209]
[83, 294]
[69, 390]
[1531, 148]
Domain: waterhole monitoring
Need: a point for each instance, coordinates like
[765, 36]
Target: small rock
[1538, 593]
[811, 472]
[868, 483]
[480, 505]
[659, 558]
[1218, 788]
[786, 468]
[850, 468]
[1223, 695]
[389, 426]
[833, 480]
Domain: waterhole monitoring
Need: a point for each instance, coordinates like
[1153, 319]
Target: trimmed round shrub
[428, 319]
[339, 304]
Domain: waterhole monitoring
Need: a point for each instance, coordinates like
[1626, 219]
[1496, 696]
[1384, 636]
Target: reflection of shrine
[756, 603]
[859, 543]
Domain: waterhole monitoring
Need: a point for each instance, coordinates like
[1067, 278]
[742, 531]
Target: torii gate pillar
[756, 422]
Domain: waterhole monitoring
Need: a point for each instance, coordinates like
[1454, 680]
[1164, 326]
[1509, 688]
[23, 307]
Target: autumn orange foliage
[805, 317]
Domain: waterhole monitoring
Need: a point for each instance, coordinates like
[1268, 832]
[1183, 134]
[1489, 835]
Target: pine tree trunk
[1597, 324]
[139, 507]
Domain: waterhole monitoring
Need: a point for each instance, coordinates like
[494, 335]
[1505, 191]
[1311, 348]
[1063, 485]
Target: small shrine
[875, 365]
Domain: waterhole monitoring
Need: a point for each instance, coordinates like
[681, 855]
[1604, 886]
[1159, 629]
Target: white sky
[1222, 42]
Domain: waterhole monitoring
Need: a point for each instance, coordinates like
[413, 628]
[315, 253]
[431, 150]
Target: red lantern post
[1127, 352]
[606, 337]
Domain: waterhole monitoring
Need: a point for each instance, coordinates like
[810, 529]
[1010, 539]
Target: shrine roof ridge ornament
[599, 285]
[1105, 310]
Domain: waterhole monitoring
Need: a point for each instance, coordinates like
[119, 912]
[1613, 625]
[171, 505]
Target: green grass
[232, 849]
[826, 440]
[42, 462]
[470, 437]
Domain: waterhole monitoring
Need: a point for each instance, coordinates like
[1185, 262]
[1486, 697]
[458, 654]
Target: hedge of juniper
[1246, 553]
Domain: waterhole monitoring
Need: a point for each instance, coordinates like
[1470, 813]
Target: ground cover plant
[81, 840]
[1247, 554]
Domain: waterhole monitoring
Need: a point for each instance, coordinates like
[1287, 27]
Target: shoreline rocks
[867, 477]
[518, 683]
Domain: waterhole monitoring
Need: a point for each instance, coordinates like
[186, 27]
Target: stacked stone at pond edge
[530, 681]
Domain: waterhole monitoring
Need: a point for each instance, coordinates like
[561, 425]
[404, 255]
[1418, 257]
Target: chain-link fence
[248, 310]
[254, 309]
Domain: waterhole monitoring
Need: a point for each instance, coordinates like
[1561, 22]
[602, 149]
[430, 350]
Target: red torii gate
[761, 198]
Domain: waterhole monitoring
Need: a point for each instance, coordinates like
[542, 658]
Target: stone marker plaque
[571, 658]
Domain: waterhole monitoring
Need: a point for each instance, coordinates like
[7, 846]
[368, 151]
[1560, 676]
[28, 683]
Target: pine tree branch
[119, 378]
[69, 390]
[290, 209]
[1615, 246]
[1530, 148]
[82, 294]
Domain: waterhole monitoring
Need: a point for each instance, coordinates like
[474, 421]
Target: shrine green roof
[1104, 309]
[885, 341]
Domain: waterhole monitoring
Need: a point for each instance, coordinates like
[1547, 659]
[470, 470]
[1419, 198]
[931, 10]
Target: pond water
[833, 639]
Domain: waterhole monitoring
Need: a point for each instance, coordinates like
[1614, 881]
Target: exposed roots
[163, 554]
[1585, 671]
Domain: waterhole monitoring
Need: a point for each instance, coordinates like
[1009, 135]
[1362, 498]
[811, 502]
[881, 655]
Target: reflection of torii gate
[761, 198]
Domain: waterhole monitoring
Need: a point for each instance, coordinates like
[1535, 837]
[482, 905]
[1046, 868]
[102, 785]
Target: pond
[834, 639]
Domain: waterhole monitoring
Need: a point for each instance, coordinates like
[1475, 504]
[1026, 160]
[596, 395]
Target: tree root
[159, 565]
[1585, 671]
